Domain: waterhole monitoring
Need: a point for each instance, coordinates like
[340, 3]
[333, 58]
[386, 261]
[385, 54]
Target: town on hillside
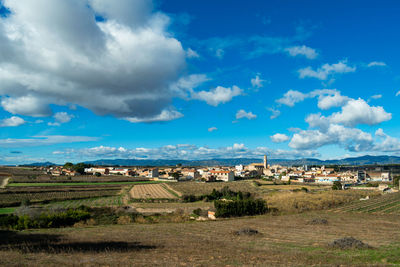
[322, 175]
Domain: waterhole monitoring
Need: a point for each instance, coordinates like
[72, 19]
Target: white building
[226, 176]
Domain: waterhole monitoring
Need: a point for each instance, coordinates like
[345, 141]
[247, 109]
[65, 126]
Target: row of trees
[235, 208]
[79, 167]
[224, 193]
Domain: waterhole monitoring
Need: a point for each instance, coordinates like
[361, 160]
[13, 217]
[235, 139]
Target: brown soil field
[153, 191]
[287, 240]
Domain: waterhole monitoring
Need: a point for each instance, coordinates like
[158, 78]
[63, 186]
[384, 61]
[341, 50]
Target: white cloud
[218, 95]
[189, 152]
[192, 54]
[212, 129]
[292, 97]
[376, 96]
[257, 82]
[122, 66]
[326, 70]
[44, 140]
[303, 50]
[350, 138]
[275, 113]
[243, 114]
[12, 122]
[63, 117]
[186, 84]
[376, 63]
[327, 101]
[388, 143]
[359, 112]
[398, 93]
[279, 138]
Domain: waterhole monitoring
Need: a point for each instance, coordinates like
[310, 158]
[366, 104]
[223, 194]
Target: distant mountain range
[363, 160]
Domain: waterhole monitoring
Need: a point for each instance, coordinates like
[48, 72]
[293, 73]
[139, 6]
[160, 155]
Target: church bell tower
[265, 162]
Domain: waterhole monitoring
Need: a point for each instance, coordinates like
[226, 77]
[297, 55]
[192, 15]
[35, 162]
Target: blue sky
[82, 80]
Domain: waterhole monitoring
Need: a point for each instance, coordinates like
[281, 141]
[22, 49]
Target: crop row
[369, 203]
[113, 201]
[16, 199]
[385, 204]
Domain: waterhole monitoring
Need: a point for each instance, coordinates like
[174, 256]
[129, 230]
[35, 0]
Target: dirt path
[4, 183]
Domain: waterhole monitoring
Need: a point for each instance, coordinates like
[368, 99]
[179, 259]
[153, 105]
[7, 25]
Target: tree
[337, 185]
[396, 180]
[68, 165]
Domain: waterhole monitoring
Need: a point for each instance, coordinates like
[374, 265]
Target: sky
[96, 79]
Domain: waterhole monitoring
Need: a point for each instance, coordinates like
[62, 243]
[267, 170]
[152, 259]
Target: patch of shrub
[349, 243]
[224, 193]
[236, 208]
[337, 185]
[246, 231]
[318, 221]
[44, 220]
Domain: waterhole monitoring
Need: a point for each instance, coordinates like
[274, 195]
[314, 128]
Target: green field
[78, 184]
[6, 210]
[113, 201]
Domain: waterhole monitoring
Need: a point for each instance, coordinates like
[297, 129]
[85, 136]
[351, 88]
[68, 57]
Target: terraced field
[386, 204]
[154, 191]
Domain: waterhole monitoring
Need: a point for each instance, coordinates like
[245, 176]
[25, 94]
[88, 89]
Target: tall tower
[265, 162]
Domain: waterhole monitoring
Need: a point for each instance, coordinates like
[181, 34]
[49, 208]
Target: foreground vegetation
[281, 240]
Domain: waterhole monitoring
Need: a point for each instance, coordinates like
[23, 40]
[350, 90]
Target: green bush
[236, 208]
[337, 185]
[44, 220]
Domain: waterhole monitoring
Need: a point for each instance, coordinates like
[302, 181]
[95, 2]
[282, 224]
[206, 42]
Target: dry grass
[302, 201]
[283, 240]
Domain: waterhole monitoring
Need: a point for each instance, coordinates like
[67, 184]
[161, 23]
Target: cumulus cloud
[327, 98]
[387, 143]
[303, 50]
[326, 70]
[218, 95]
[291, 97]
[351, 139]
[12, 122]
[279, 138]
[212, 129]
[359, 112]
[257, 82]
[398, 93]
[376, 64]
[243, 114]
[44, 140]
[188, 152]
[332, 99]
[55, 52]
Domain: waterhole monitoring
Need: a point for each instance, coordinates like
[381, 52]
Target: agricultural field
[13, 198]
[113, 201]
[386, 204]
[285, 240]
[13, 184]
[152, 191]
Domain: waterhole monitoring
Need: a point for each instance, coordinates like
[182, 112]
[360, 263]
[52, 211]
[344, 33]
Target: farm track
[156, 191]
